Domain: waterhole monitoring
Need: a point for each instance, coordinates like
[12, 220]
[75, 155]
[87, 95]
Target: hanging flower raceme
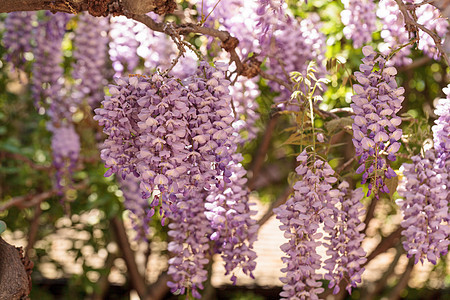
[17, 37]
[359, 19]
[66, 150]
[441, 131]
[90, 44]
[311, 204]
[190, 231]
[425, 192]
[345, 238]
[177, 138]
[138, 207]
[123, 45]
[229, 212]
[376, 134]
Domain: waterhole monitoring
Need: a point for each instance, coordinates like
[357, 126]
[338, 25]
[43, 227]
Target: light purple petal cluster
[271, 14]
[238, 17]
[295, 45]
[441, 131]
[229, 212]
[313, 203]
[359, 19]
[90, 44]
[376, 134]
[177, 138]
[345, 238]
[425, 192]
[47, 81]
[159, 52]
[123, 45]
[431, 18]
[244, 93]
[17, 36]
[66, 149]
[139, 208]
[190, 231]
[301, 217]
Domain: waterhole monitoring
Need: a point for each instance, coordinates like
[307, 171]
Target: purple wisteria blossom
[47, 80]
[376, 134]
[359, 19]
[177, 138]
[17, 37]
[138, 207]
[244, 93]
[311, 204]
[345, 239]
[270, 13]
[48, 91]
[123, 45]
[425, 192]
[314, 205]
[90, 43]
[65, 150]
[229, 212]
[294, 45]
[441, 131]
[190, 231]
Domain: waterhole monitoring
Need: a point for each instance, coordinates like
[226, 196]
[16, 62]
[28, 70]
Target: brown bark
[14, 280]
[95, 7]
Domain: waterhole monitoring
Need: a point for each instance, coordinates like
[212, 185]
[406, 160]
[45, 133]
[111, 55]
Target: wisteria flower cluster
[137, 206]
[441, 131]
[66, 150]
[315, 202]
[359, 19]
[376, 134]
[230, 215]
[90, 43]
[48, 90]
[425, 192]
[177, 138]
[345, 239]
[123, 45]
[17, 37]
[295, 45]
[190, 232]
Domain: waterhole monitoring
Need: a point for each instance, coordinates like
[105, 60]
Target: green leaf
[2, 226]
[392, 184]
[338, 124]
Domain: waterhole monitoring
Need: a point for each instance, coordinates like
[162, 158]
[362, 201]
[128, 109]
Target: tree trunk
[14, 279]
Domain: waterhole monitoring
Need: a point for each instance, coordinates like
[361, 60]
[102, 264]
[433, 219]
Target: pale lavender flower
[90, 44]
[425, 208]
[230, 215]
[395, 34]
[190, 231]
[312, 203]
[376, 134]
[140, 211]
[345, 239]
[65, 150]
[441, 131]
[359, 19]
[17, 36]
[123, 46]
[294, 45]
